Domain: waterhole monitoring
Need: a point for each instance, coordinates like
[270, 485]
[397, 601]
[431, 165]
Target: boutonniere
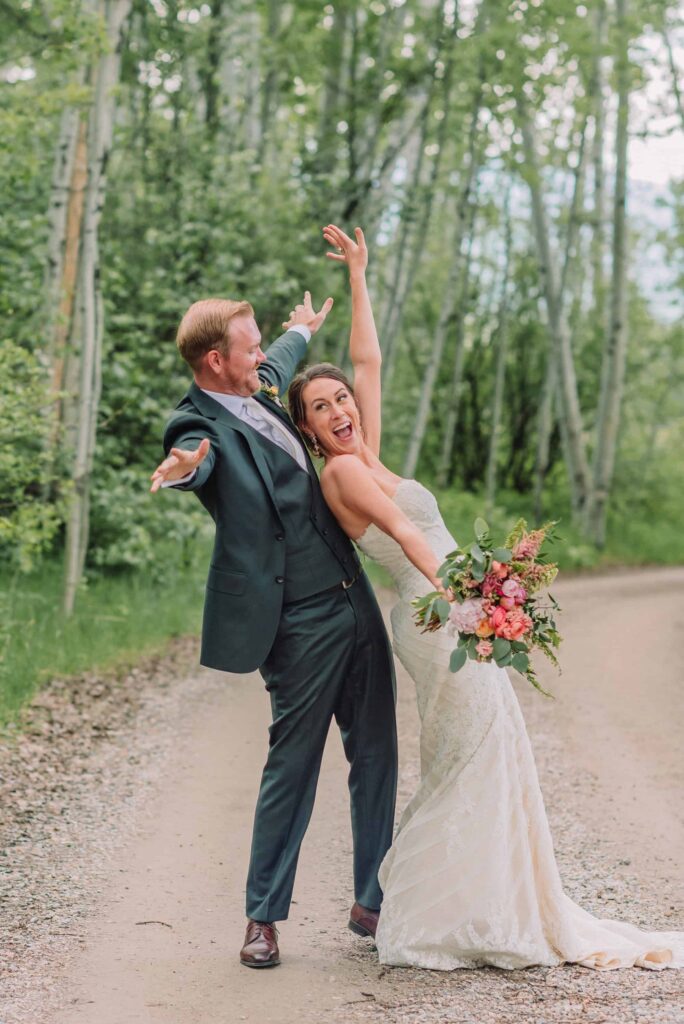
[271, 392]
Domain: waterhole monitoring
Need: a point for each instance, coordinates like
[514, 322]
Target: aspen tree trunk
[408, 216]
[674, 71]
[501, 354]
[403, 284]
[335, 65]
[578, 472]
[615, 351]
[87, 328]
[65, 219]
[61, 199]
[546, 418]
[269, 88]
[446, 315]
[454, 400]
[251, 122]
[598, 232]
[211, 76]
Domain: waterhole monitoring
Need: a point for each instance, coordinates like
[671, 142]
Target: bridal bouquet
[497, 610]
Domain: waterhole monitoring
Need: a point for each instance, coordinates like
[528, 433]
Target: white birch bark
[578, 472]
[446, 313]
[501, 354]
[456, 387]
[615, 351]
[596, 101]
[60, 193]
[674, 72]
[546, 418]
[87, 342]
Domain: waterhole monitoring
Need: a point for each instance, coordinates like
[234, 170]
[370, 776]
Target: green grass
[117, 620]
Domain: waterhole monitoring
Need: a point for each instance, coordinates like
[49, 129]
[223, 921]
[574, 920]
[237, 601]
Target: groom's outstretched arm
[283, 357]
[190, 456]
[287, 351]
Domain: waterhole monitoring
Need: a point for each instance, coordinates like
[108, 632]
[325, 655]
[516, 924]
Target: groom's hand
[306, 315]
[178, 464]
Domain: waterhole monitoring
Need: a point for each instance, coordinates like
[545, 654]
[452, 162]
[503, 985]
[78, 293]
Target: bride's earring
[314, 445]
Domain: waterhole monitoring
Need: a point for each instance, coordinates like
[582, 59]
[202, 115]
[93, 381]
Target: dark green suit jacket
[244, 592]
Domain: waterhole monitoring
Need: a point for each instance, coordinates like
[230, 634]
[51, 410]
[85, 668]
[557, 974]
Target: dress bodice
[420, 506]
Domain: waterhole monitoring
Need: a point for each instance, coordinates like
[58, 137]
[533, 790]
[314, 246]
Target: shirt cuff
[183, 480]
[301, 329]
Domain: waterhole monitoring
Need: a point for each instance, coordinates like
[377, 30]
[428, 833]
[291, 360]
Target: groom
[285, 594]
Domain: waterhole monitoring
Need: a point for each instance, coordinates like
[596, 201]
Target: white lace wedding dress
[471, 878]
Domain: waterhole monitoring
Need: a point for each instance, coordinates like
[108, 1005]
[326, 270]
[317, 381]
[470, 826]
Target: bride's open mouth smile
[344, 431]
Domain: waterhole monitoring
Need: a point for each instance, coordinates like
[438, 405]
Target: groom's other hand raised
[178, 464]
[305, 315]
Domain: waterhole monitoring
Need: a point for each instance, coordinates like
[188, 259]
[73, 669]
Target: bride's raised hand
[353, 253]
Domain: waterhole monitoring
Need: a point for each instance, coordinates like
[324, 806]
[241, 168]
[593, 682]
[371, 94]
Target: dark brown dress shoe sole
[358, 929]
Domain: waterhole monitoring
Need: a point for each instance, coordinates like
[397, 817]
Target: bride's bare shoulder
[344, 475]
[344, 469]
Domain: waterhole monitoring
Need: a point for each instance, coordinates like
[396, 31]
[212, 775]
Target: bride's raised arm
[364, 347]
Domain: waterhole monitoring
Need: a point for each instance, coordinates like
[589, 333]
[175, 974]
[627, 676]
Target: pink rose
[497, 620]
[484, 648]
[507, 603]
[513, 592]
[499, 569]
[516, 625]
[490, 585]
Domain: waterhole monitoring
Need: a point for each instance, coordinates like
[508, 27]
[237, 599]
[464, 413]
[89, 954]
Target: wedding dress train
[471, 878]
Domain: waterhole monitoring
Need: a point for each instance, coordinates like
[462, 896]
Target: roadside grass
[117, 620]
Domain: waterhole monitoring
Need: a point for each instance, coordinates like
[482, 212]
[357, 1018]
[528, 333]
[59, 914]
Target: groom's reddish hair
[206, 326]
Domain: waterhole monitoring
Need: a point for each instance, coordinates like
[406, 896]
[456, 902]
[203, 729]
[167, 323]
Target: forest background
[518, 168]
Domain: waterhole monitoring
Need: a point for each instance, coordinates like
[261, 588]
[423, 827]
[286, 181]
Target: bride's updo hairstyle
[295, 394]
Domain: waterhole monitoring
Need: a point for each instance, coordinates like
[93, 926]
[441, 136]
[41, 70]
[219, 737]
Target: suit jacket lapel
[213, 410]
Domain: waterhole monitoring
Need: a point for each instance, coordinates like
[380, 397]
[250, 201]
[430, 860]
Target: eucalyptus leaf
[502, 555]
[477, 553]
[520, 662]
[442, 608]
[501, 648]
[481, 528]
[457, 659]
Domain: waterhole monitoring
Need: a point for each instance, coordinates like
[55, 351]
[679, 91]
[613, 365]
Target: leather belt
[343, 584]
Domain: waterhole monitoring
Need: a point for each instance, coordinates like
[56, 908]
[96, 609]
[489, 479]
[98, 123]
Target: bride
[471, 878]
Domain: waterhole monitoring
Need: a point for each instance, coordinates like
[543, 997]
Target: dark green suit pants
[331, 657]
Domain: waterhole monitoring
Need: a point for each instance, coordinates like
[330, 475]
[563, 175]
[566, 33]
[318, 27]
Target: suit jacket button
[280, 536]
[280, 579]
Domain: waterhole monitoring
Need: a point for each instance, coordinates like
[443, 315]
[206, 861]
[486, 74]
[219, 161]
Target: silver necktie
[273, 429]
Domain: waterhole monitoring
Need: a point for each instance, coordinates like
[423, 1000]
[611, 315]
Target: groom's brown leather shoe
[261, 945]
[363, 921]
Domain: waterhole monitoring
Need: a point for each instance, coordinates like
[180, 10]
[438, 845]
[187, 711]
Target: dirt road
[155, 930]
